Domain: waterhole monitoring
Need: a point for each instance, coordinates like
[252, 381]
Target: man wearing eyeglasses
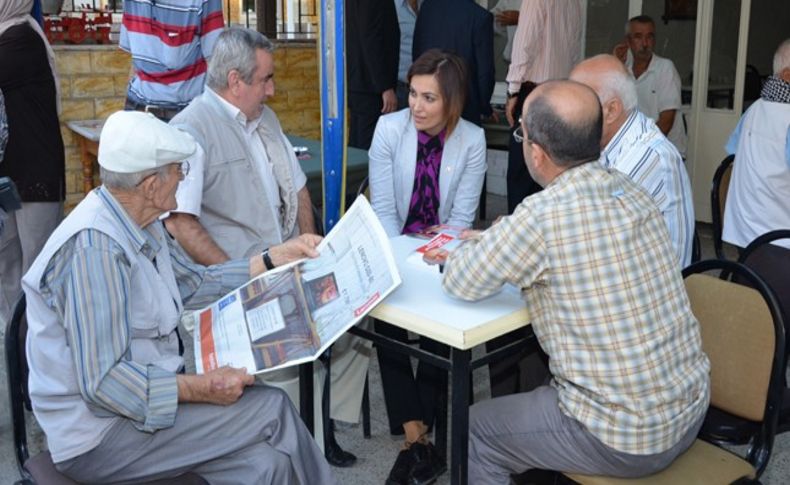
[592, 258]
[105, 297]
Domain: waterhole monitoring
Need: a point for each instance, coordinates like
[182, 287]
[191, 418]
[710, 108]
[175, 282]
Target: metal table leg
[459, 441]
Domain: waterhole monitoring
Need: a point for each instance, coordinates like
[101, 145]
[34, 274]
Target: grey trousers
[25, 233]
[260, 439]
[513, 434]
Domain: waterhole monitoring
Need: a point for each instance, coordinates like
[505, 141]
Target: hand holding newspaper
[291, 314]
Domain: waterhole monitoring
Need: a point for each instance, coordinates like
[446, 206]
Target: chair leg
[366, 410]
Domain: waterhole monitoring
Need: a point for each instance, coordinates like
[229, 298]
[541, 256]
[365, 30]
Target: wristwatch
[267, 260]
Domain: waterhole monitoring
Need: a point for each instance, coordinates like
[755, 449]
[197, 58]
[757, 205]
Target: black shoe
[401, 469]
[428, 468]
[337, 456]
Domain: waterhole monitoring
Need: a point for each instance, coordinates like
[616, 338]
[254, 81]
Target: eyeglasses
[183, 168]
[518, 134]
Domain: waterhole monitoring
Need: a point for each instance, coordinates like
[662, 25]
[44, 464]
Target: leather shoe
[337, 456]
[428, 468]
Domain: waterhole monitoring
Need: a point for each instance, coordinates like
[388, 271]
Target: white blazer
[393, 158]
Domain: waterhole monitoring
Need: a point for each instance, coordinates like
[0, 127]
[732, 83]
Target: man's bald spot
[571, 101]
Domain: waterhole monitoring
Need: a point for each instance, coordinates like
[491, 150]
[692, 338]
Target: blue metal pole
[333, 119]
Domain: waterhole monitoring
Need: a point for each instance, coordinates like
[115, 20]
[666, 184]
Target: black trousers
[410, 397]
[364, 110]
[519, 183]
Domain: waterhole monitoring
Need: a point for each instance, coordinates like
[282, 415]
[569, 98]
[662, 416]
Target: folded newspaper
[291, 314]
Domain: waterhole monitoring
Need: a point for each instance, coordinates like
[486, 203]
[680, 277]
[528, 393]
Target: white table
[421, 306]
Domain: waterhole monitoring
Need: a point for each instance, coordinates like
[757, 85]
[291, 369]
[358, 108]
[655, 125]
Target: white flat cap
[133, 141]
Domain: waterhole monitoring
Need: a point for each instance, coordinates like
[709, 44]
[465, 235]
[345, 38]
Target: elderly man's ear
[785, 74]
[612, 110]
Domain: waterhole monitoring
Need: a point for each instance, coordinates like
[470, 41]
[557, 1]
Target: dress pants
[364, 110]
[260, 439]
[409, 397]
[513, 434]
[25, 233]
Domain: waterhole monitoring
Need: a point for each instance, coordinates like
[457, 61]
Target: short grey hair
[782, 57]
[128, 181]
[617, 84]
[235, 49]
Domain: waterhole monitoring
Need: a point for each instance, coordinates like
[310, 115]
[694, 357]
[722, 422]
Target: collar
[234, 112]
[620, 139]
[143, 240]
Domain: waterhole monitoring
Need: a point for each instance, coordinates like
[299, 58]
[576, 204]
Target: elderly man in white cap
[104, 300]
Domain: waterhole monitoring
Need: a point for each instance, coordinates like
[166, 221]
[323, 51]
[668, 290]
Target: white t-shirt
[190, 191]
[658, 89]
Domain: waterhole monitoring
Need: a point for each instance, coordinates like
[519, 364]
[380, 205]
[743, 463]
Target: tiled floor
[377, 454]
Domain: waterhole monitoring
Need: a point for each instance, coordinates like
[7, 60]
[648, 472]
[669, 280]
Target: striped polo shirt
[169, 41]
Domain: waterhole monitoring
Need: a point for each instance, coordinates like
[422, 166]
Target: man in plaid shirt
[592, 256]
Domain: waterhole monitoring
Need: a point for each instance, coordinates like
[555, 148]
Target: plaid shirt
[600, 278]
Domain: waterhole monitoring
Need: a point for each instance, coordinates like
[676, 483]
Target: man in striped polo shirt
[169, 43]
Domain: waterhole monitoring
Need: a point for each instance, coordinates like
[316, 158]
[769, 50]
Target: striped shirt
[642, 152]
[547, 43]
[87, 284]
[169, 42]
[608, 305]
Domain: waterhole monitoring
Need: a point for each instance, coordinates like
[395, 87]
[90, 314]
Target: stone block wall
[93, 85]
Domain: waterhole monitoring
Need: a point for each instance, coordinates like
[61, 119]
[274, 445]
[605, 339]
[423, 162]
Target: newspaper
[291, 314]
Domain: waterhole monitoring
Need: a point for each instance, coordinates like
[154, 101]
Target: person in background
[105, 297]
[758, 200]
[633, 144]
[633, 336]
[657, 80]
[372, 46]
[465, 29]
[426, 168]
[506, 14]
[407, 18]
[34, 156]
[170, 43]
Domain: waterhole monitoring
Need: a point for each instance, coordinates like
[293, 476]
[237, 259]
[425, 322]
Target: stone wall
[93, 85]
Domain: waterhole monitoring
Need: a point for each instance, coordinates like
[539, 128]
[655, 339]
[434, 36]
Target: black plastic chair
[743, 336]
[39, 469]
[772, 263]
[718, 200]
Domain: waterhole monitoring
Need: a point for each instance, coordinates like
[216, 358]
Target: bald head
[609, 78]
[564, 118]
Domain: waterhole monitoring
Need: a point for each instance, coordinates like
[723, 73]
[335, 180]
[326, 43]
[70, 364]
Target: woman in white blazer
[394, 151]
[426, 167]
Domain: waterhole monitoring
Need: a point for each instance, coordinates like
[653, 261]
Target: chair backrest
[17, 371]
[743, 335]
[772, 263]
[718, 200]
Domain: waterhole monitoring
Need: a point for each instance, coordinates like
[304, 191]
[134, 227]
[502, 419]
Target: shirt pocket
[146, 329]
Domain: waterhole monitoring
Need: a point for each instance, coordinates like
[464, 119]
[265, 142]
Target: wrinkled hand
[507, 17]
[389, 101]
[510, 105]
[225, 385]
[436, 256]
[299, 247]
[620, 51]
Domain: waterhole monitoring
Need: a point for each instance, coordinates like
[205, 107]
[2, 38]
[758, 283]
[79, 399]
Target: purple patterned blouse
[424, 205]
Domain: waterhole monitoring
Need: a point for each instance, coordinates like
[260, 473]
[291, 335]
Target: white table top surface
[421, 306]
[90, 129]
